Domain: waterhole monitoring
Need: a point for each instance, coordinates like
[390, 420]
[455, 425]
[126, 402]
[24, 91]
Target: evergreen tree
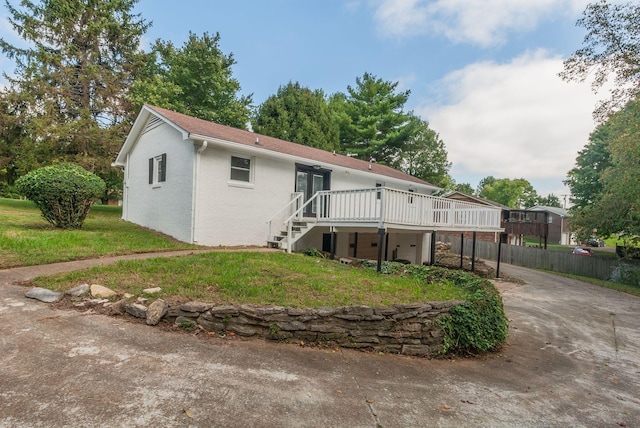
[373, 124]
[72, 79]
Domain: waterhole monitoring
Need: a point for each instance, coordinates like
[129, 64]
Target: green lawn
[219, 277]
[258, 278]
[27, 239]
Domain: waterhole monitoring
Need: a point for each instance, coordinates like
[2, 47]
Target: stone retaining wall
[409, 329]
[401, 329]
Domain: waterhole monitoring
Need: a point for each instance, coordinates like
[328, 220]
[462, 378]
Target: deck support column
[334, 239]
[355, 245]
[461, 250]
[381, 234]
[386, 247]
[473, 252]
[432, 255]
[499, 255]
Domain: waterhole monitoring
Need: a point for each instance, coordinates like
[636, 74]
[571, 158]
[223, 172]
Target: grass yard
[219, 277]
[259, 278]
[27, 239]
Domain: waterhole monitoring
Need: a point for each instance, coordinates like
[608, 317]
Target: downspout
[195, 193]
[125, 190]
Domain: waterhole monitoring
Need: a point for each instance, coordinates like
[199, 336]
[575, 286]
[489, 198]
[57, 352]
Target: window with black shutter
[158, 169]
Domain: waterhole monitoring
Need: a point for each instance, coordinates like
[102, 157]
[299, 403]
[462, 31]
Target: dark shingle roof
[203, 128]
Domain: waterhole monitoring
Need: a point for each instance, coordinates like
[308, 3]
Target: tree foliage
[196, 79]
[608, 195]
[464, 188]
[584, 179]
[424, 155]
[300, 115]
[514, 193]
[70, 86]
[550, 200]
[64, 193]
[611, 48]
[373, 124]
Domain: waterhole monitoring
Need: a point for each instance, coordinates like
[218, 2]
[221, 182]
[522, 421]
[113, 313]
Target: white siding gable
[164, 206]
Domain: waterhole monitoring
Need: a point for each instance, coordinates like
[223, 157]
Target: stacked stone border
[409, 329]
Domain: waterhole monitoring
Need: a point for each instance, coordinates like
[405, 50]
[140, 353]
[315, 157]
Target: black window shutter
[150, 170]
[163, 167]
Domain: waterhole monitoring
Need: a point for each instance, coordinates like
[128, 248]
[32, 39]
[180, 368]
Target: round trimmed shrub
[64, 193]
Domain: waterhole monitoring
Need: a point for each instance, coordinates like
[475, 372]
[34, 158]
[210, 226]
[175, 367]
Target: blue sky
[482, 72]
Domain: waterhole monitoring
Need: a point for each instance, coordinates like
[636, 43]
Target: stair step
[274, 244]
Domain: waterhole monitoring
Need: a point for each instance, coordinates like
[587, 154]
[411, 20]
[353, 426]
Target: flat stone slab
[44, 295]
[78, 290]
[98, 290]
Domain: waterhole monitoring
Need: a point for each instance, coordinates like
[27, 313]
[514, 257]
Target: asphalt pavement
[572, 359]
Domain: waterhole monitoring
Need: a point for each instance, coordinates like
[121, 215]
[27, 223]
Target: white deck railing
[383, 205]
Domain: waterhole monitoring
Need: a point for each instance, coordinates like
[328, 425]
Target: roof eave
[279, 155]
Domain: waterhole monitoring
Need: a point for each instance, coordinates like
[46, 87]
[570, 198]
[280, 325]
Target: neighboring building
[550, 225]
[482, 236]
[558, 219]
[209, 184]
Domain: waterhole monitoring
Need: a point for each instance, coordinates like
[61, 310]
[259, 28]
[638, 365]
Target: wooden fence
[538, 258]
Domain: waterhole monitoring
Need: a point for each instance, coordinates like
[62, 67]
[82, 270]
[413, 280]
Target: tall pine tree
[72, 79]
[373, 124]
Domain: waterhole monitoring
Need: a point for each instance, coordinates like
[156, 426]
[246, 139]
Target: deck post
[473, 252]
[499, 255]
[381, 233]
[386, 247]
[461, 250]
[355, 245]
[334, 238]
[432, 256]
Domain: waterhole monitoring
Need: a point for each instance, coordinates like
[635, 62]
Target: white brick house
[209, 184]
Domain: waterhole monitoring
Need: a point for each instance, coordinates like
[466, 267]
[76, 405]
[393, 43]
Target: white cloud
[513, 120]
[484, 23]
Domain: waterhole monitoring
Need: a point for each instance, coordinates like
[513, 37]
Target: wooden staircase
[298, 230]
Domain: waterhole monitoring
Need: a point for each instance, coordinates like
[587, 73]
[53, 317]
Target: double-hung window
[241, 169]
[158, 169]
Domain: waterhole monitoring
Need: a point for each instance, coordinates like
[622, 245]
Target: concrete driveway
[573, 359]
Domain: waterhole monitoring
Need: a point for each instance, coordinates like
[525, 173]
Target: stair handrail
[296, 197]
[289, 221]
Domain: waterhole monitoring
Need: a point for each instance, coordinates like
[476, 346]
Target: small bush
[386, 267]
[8, 191]
[626, 273]
[477, 325]
[313, 252]
[64, 193]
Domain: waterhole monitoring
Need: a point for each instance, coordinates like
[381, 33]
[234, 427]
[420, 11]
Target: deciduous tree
[611, 49]
[550, 200]
[424, 155]
[196, 79]
[514, 193]
[612, 204]
[298, 114]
